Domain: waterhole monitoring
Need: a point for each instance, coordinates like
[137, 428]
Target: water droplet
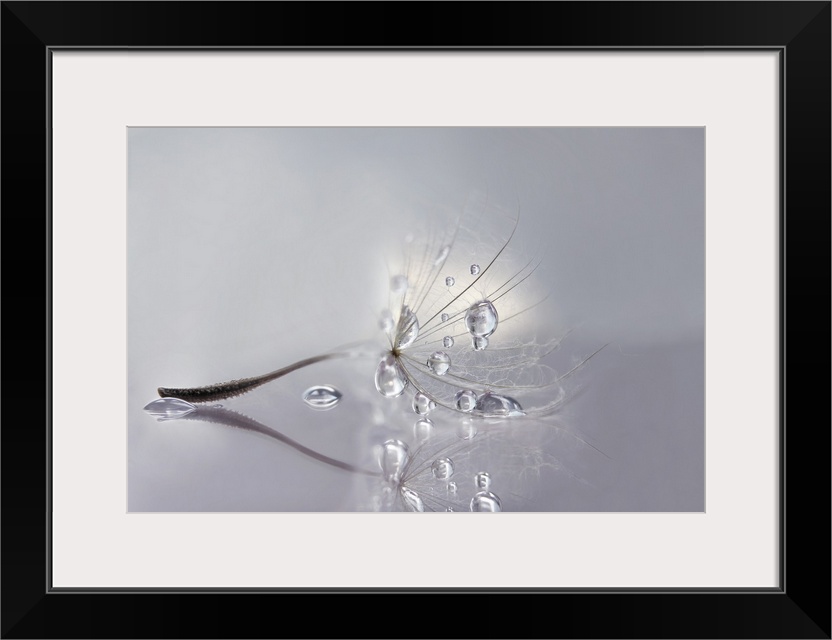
[398, 284]
[444, 317]
[481, 319]
[423, 429]
[407, 329]
[482, 481]
[385, 321]
[466, 400]
[412, 500]
[322, 397]
[449, 510]
[390, 379]
[169, 408]
[492, 404]
[393, 460]
[449, 281]
[485, 501]
[466, 430]
[452, 487]
[479, 343]
[442, 469]
[439, 362]
[422, 404]
[475, 269]
[443, 253]
[447, 342]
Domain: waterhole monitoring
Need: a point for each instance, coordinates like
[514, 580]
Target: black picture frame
[799, 31]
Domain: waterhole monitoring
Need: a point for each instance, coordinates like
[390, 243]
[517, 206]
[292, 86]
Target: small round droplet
[442, 469]
[481, 319]
[393, 460]
[169, 408]
[443, 253]
[452, 487]
[444, 317]
[493, 404]
[390, 379]
[423, 429]
[439, 362]
[449, 281]
[466, 400]
[479, 343]
[482, 481]
[422, 404]
[447, 342]
[407, 329]
[398, 284]
[485, 501]
[385, 321]
[322, 397]
[412, 501]
[475, 269]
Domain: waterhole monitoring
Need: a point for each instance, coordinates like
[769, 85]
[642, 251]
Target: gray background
[249, 249]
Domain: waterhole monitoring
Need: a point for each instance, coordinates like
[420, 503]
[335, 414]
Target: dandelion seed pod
[481, 319]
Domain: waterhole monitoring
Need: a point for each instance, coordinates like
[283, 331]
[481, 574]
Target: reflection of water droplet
[322, 397]
[439, 362]
[423, 429]
[452, 487]
[449, 510]
[443, 468]
[385, 322]
[481, 319]
[398, 284]
[412, 500]
[466, 400]
[482, 481]
[408, 328]
[467, 430]
[475, 269]
[444, 317]
[169, 408]
[479, 343]
[447, 342]
[394, 457]
[443, 253]
[422, 404]
[485, 501]
[449, 281]
[390, 379]
[493, 404]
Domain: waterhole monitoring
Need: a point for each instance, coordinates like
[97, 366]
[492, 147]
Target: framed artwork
[299, 286]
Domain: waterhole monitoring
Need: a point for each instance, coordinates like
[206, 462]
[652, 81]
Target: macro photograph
[416, 319]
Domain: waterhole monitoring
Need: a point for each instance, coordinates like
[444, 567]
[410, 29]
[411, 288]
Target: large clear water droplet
[393, 460]
[398, 284]
[407, 329]
[466, 400]
[385, 322]
[412, 500]
[439, 362]
[169, 408]
[482, 481]
[443, 254]
[475, 269]
[493, 404]
[479, 343]
[447, 342]
[449, 281]
[442, 469]
[422, 404]
[322, 397]
[390, 379]
[485, 501]
[481, 319]
[444, 317]
[423, 429]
